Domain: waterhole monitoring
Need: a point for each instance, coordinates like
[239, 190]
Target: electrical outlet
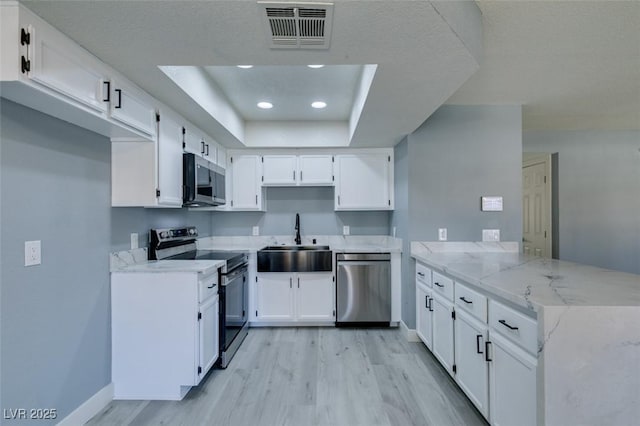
[32, 253]
[490, 235]
[442, 234]
[345, 230]
[256, 231]
[134, 240]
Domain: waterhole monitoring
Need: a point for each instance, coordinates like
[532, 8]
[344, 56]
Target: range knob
[164, 234]
[192, 231]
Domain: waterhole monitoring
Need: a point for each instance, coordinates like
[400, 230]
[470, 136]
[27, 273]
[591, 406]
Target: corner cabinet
[149, 174]
[364, 181]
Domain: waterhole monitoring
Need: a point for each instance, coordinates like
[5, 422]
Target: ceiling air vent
[297, 25]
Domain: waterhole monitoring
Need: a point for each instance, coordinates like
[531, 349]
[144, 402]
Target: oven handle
[231, 276]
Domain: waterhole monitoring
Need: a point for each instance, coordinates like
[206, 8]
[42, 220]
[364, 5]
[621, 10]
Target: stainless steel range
[180, 244]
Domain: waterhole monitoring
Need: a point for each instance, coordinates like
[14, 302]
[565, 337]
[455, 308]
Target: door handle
[439, 285]
[486, 352]
[108, 84]
[202, 147]
[478, 344]
[431, 304]
[298, 282]
[506, 324]
[207, 145]
[119, 104]
[290, 282]
[465, 300]
[426, 302]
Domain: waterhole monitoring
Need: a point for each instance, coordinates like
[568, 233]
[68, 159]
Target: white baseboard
[89, 408]
[410, 333]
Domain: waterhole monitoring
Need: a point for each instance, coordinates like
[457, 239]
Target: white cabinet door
[210, 149]
[472, 369]
[315, 170]
[512, 383]
[314, 297]
[443, 331]
[275, 297]
[169, 160]
[129, 106]
[363, 182]
[194, 141]
[245, 185]
[66, 68]
[424, 315]
[208, 333]
[279, 170]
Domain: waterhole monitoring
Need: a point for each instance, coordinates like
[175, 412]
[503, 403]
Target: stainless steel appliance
[203, 182]
[363, 289]
[179, 243]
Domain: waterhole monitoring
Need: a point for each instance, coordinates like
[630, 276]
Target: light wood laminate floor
[314, 376]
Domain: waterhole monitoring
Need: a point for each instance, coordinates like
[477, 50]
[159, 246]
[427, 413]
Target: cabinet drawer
[514, 325]
[423, 274]
[471, 301]
[207, 286]
[443, 285]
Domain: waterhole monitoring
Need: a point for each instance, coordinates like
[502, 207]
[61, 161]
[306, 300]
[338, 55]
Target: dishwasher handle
[359, 257]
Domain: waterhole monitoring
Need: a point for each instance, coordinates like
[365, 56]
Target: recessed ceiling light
[318, 104]
[245, 67]
[315, 66]
[265, 105]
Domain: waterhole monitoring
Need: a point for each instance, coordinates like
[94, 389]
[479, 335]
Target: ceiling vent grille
[297, 25]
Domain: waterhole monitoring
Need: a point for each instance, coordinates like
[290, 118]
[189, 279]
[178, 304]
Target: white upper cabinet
[43, 69]
[246, 177]
[294, 170]
[132, 107]
[197, 142]
[149, 174]
[279, 170]
[66, 68]
[169, 160]
[315, 170]
[364, 181]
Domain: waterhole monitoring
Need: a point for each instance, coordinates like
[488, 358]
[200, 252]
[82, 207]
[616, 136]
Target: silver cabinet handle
[290, 282]
[300, 175]
[298, 282]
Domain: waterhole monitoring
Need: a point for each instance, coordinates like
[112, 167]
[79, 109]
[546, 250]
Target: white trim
[410, 333]
[90, 407]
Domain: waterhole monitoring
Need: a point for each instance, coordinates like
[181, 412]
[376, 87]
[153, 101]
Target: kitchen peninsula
[583, 325]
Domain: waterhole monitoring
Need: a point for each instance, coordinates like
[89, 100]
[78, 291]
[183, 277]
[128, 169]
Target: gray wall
[55, 341]
[400, 220]
[598, 195]
[458, 155]
[317, 217]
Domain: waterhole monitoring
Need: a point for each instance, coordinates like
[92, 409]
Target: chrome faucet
[298, 239]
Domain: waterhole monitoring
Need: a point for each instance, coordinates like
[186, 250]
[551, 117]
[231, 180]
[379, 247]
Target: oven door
[234, 297]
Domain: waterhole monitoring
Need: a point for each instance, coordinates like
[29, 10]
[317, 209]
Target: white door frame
[530, 159]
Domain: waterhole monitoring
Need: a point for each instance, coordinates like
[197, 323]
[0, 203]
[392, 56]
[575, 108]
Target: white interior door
[536, 208]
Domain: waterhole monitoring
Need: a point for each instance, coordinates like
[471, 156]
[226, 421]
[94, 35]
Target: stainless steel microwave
[203, 182]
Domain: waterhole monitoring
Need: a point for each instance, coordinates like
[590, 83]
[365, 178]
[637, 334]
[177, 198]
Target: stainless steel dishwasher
[363, 289]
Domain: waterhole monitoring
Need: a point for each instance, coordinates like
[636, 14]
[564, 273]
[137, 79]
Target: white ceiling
[572, 64]
[290, 89]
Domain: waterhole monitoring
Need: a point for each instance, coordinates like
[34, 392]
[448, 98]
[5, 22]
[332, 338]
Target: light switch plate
[32, 253]
[256, 231]
[490, 235]
[134, 240]
[442, 234]
[346, 230]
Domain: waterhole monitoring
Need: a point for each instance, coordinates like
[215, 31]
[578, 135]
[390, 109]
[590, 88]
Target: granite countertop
[530, 282]
[337, 243]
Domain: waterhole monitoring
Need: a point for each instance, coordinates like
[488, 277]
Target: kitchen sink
[295, 259]
[295, 248]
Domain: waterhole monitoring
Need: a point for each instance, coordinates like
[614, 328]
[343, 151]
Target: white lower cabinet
[424, 314]
[493, 361]
[442, 346]
[472, 368]
[512, 383]
[299, 297]
[274, 300]
[164, 333]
